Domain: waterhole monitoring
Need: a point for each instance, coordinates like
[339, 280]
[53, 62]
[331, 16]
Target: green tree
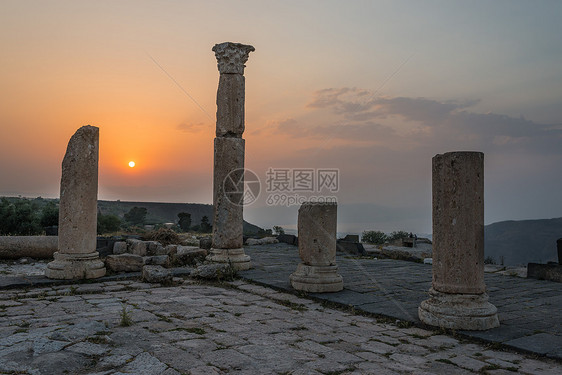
[398, 235]
[49, 215]
[18, 218]
[278, 230]
[184, 221]
[136, 215]
[205, 227]
[108, 223]
[374, 237]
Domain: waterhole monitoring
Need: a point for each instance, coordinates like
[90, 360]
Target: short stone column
[317, 273]
[77, 257]
[228, 181]
[458, 298]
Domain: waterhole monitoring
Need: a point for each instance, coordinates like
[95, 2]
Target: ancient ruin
[458, 298]
[77, 257]
[317, 272]
[228, 181]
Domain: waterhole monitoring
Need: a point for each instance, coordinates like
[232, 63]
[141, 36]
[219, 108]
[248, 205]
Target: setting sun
[132, 164]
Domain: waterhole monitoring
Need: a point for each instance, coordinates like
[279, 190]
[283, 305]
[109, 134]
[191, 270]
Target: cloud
[358, 114]
[190, 127]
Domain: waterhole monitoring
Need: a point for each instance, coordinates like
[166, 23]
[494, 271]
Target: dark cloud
[361, 116]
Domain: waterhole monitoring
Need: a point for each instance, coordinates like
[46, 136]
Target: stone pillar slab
[458, 298]
[76, 257]
[230, 105]
[228, 191]
[317, 224]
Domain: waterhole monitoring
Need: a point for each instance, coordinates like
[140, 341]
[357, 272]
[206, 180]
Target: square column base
[237, 259]
[316, 279]
[470, 312]
[75, 266]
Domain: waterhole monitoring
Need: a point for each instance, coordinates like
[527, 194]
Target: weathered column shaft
[457, 298]
[458, 222]
[78, 208]
[77, 257]
[317, 225]
[317, 273]
[230, 105]
[228, 190]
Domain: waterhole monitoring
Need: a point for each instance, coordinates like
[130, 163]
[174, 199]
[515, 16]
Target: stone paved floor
[529, 310]
[234, 328]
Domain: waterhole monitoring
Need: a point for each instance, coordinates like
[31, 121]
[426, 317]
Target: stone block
[136, 247]
[261, 241]
[206, 243]
[155, 248]
[158, 260]
[124, 263]
[213, 271]
[189, 255]
[317, 233]
[156, 274]
[120, 247]
[551, 272]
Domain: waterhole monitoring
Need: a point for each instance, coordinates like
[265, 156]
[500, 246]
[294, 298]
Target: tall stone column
[317, 273]
[228, 181]
[458, 298]
[77, 257]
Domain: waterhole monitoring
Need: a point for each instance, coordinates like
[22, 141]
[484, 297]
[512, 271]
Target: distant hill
[167, 212]
[157, 212]
[524, 241]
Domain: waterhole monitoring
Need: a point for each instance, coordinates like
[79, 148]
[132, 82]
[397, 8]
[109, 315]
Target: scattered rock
[158, 260]
[206, 243]
[155, 248]
[189, 255]
[261, 241]
[214, 271]
[156, 274]
[171, 250]
[124, 263]
[120, 247]
[136, 247]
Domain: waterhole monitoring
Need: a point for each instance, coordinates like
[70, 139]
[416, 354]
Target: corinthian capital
[232, 56]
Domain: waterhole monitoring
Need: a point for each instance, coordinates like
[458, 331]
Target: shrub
[397, 235]
[374, 237]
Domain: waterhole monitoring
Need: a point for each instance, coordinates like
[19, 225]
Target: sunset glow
[372, 88]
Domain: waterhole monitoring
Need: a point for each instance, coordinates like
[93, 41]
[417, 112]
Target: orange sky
[374, 88]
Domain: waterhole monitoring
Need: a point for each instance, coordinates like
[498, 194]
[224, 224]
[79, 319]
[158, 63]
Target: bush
[18, 218]
[205, 227]
[374, 237]
[49, 215]
[184, 221]
[136, 215]
[398, 235]
[108, 224]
